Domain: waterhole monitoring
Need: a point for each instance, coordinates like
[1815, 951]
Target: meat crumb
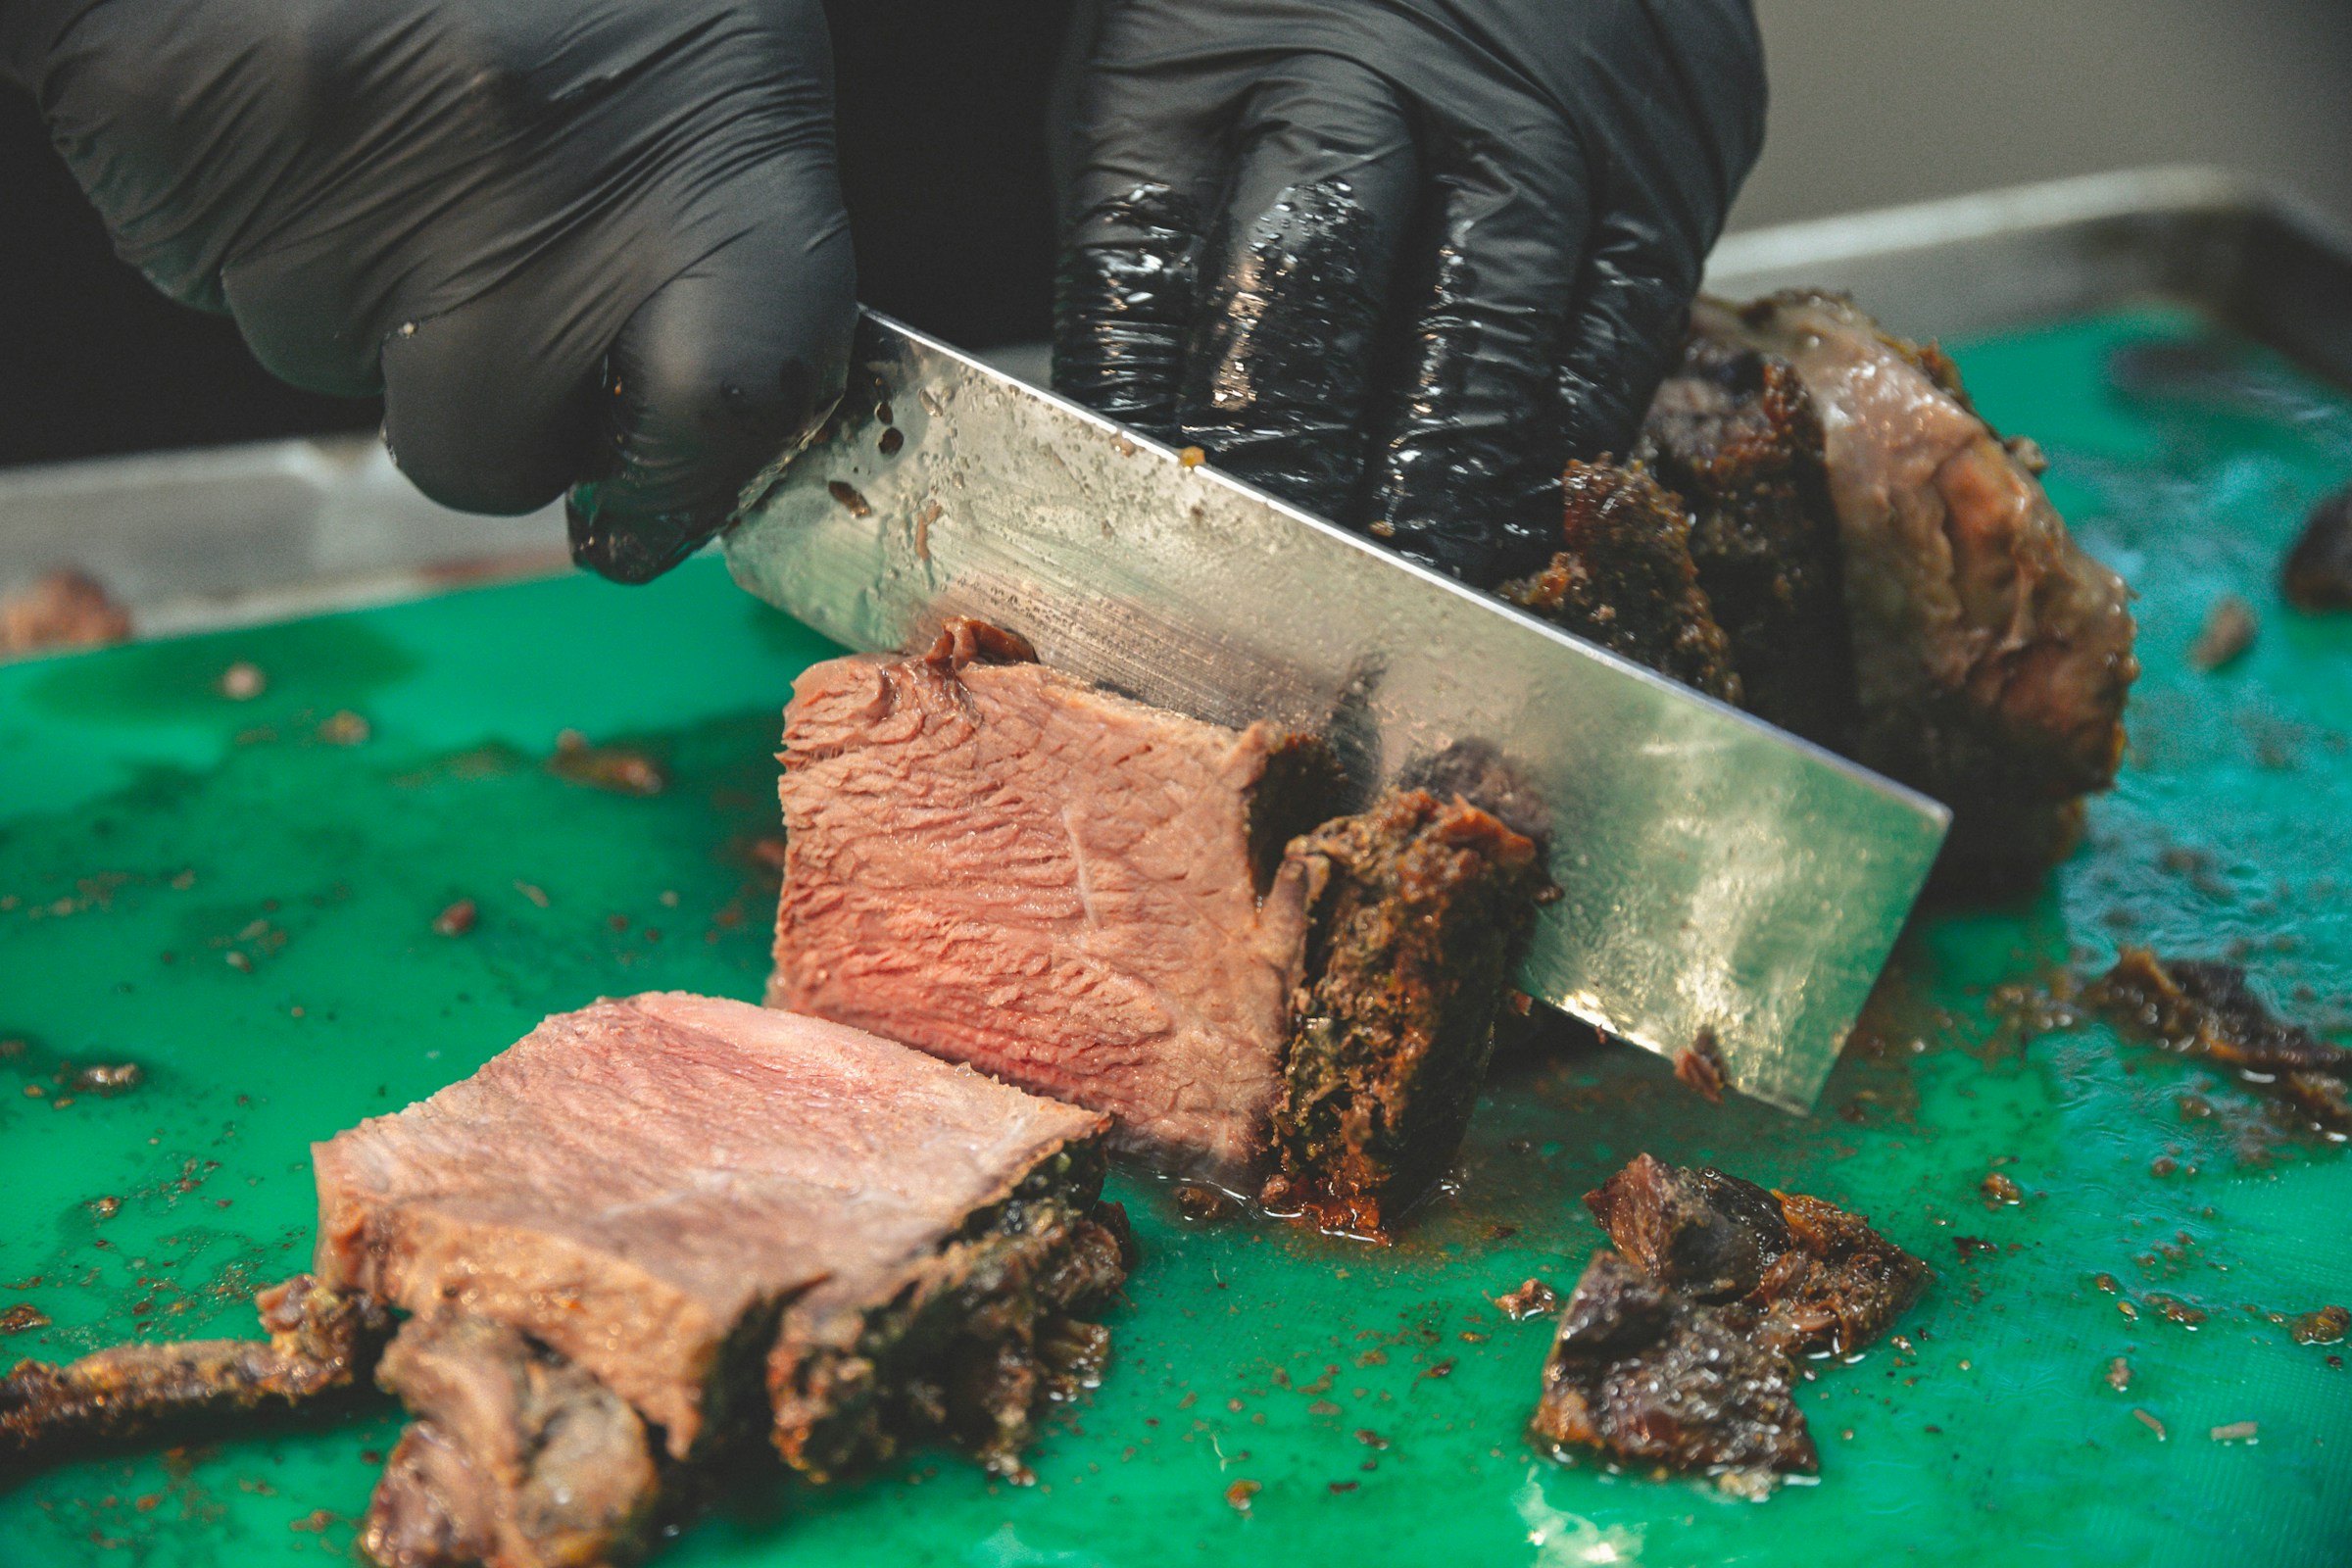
[343, 727]
[1700, 1067]
[2148, 1421]
[242, 682]
[1204, 1204]
[2229, 630]
[2119, 1374]
[2236, 1432]
[64, 609]
[22, 1318]
[1345, 1486]
[1999, 1189]
[1532, 1298]
[615, 769]
[1238, 1496]
[2326, 1326]
[2318, 573]
[457, 920]
[109, 1078]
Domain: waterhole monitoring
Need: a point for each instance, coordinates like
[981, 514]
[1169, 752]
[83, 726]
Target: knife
[1719, 877]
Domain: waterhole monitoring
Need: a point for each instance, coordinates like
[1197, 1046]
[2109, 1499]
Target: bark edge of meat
[321, 1343]
[1625, 578]
[970, 1346]
[1417, 911]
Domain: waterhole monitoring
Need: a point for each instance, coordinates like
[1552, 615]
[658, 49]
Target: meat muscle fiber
[1122, 905]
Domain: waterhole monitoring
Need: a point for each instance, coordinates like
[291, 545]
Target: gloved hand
[1397, 260]
[585, 243]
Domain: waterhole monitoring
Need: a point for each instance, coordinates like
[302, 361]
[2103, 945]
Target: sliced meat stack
[1125, 907]
[645, 1234]
[1990, 657]
[1678, 1349]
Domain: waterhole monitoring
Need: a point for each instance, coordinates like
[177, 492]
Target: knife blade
[1717, 875]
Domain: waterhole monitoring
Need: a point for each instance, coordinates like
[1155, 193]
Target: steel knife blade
[1717, 875]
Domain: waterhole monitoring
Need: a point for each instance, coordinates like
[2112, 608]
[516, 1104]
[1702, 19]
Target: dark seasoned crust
[517, 1457]
[2207, 1011]
[320, 1342]
[1678, 1349]
[1735, 434]
[1991, 655]
[971, 1346]
[2317, 574]
[1626, 580]
[1417, 912]
[1649, 1373]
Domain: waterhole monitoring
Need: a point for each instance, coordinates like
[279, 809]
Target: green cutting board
[239, 895]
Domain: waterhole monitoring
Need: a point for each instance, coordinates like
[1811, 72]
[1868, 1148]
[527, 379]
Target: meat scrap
[321, 1343]
[2317, 574]
[517, 1457]
[1126, 908]
[2207, 1011]
[1678, 1347]
[1625, 578]
[1991, 655]
[64, 609]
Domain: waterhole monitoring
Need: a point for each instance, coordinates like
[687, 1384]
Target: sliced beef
[1007, 866]
[2207, 1011]
[1417, 912]
[644, 1186]
[1625, 578]
[321, 1342]
[1095, 899]
[1733, 432]
[1991, 655]
[2317, 574]
[517, 1457]
[1678, 1347]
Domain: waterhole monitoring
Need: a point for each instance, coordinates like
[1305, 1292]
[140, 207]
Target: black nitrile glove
[1397, 260]
[586, 243]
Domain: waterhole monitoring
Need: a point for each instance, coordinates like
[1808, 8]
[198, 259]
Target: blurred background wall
[1883, 101]
[1874, 102]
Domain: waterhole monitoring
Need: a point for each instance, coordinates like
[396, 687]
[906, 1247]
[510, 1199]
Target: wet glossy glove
[1395, 260]
[586, 243]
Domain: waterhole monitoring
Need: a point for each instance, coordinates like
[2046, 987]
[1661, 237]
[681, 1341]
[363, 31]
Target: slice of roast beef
[321, 1343]
[1011, 868]
[645, 1185]
[517, 1457]
[1095, 899]
[1991, 655]
[1678, 1349]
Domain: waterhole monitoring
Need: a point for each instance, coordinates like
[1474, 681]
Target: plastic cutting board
[239, 895]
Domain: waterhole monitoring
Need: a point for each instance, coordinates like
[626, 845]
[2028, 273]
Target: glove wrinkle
[1423, 374]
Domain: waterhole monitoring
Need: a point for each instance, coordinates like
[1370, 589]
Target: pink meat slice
[641, 1184]
[1009, 868]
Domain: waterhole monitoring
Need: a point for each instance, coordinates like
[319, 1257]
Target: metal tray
[235, 535]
